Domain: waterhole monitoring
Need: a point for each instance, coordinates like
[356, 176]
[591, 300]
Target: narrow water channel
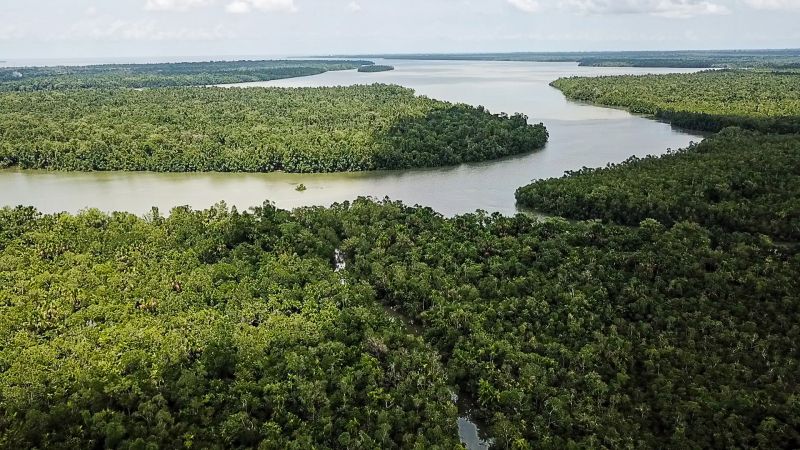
[468, 428]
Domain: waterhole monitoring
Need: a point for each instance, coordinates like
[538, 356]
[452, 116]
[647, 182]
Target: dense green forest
[709, 101]
[252, 130]
[223, 329]
[577, 335]
[739, 190]
[375, 68]
[669, 322]
[209, 329]
[164, 74]
[736, 181]
[781, 59]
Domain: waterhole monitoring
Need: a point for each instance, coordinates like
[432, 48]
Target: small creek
[468, 427]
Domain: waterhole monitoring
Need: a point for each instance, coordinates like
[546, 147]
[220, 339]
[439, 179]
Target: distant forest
[375, 68]
[164, 74]
[789, 58]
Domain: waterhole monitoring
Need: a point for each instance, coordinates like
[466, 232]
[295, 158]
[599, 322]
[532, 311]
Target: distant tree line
[778, 59]
[163, 74]
[375, 68]
[710, 101]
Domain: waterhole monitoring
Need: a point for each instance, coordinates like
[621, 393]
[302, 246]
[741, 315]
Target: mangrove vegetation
[225, 329]
[252, 130]
[709, 101]
[735, 181]
[668, 320]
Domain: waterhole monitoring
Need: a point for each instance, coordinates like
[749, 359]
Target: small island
[375, 68]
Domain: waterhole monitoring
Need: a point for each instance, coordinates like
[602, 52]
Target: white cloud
[174, 5]
[238, 7]
[526, 5]
[10, 32]
[234, 6]
[245, 6]
[138, 30]
[664, 8]
[354, 6]
[774, 4]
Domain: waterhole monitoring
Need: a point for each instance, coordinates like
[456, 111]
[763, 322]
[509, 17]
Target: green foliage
[457, 134]
[709, 101]
[375, 68]
[581, 335]
[207, 329]
[734, 181]
[223, 329]
[163, 75]
[220, 329]
[252, 130]
[687, 296]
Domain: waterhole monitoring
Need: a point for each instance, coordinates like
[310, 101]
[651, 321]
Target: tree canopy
[712, 100]
[207, 329]
[734, 181]
[224, 329]
[252, 130]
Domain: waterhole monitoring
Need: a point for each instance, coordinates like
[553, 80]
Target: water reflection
[469, 431]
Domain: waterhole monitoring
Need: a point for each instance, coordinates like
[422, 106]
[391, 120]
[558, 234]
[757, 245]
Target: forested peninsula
[164, 74]
[252, 130]
[734, 181]
[737, 180]
[762, 100]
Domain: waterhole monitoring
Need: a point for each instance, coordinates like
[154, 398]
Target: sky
[135, 28]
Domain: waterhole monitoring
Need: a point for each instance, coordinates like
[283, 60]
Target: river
[580, 135]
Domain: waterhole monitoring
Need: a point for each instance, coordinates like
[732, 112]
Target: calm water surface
[580, 136]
